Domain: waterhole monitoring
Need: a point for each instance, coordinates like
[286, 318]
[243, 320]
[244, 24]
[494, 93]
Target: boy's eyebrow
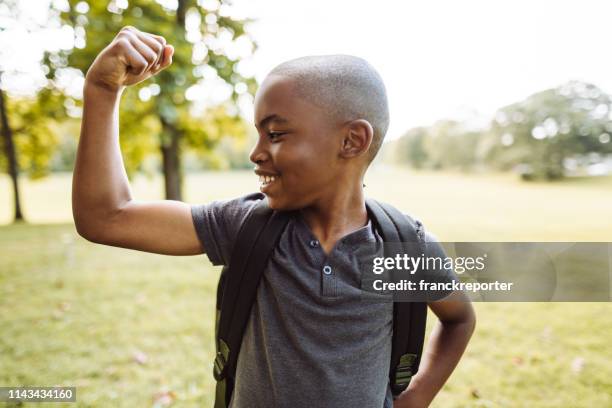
[271, 118]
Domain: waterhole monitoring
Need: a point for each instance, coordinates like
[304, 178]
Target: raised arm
[103, 208]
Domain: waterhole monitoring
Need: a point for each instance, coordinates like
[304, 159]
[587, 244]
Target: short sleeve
[217, 224]
[433, 249]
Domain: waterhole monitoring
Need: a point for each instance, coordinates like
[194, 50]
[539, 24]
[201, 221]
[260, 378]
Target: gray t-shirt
[311, 339]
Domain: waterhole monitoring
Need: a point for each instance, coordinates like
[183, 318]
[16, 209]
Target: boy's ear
[357, 138]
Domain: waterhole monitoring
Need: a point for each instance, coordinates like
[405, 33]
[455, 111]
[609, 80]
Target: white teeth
[266, 179]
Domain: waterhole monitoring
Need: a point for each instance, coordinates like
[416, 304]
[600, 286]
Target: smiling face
[297, 152]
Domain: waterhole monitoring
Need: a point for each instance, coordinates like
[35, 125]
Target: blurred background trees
[549, 135]
[159, 113]
[187, 109]
[28, 120]
[552, 132]
[187, 118]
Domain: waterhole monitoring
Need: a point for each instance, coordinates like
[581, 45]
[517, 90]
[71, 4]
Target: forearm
[447, 343]
[99, 185]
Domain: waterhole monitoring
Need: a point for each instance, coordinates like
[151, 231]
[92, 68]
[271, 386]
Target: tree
[410, 148]
[537, 135]
[446, 144]
[26, 122]
[547, 128]
[450, 145]
[161, 108]
[11, 156]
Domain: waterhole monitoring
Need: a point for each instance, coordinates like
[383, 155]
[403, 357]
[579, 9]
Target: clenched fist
[130, 58]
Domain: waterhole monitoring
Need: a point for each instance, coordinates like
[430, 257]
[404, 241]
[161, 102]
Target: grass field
[131, 329]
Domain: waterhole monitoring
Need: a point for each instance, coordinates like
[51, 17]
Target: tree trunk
[171, 162]
[11, 156]
[170, 141]
[181, 10]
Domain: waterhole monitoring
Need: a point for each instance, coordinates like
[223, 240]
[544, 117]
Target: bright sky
[444, 58]
[438, 58]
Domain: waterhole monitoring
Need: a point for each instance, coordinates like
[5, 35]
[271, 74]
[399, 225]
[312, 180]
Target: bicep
[163, 227]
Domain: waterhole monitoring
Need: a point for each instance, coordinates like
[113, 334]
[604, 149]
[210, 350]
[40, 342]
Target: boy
[309, 342]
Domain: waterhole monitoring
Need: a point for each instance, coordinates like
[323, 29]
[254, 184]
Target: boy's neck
[336, 216]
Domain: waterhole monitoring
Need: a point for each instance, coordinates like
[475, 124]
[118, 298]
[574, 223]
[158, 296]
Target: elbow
[471, 321]
[92, 222]
[80, 220]
[90, 226]
[88, 231]
[465, 320]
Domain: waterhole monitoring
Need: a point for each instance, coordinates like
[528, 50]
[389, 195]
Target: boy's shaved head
[347, 87]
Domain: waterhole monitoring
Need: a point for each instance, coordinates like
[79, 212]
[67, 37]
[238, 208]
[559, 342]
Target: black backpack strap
[256, 240]
[409, 318]
[382, 222]
[410, 230]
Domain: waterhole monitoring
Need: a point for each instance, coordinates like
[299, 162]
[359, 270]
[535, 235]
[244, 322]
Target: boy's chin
[278, 204]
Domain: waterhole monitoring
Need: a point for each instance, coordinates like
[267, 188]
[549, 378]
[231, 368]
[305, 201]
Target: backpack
[237, 288]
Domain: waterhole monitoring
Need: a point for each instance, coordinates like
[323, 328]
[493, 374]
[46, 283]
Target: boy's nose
[258, 154]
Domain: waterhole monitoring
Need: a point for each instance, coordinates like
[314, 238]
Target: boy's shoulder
[217, 224]
[238, 206]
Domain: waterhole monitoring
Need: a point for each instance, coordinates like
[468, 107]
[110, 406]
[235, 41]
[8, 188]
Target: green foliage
[162, 102]
[550, 126]
[409, 148]
[65, 153]
[237, 151]
[139, 132]
[35, 130]
[445, 145]
[450, 145]
[535, 136]
[46, 137]
[34, 120]
[222, 135]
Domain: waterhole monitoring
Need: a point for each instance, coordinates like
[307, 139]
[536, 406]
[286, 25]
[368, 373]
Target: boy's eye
[275, 135]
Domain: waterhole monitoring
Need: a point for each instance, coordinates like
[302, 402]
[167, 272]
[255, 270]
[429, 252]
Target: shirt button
[314, 243]
[327, 270]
